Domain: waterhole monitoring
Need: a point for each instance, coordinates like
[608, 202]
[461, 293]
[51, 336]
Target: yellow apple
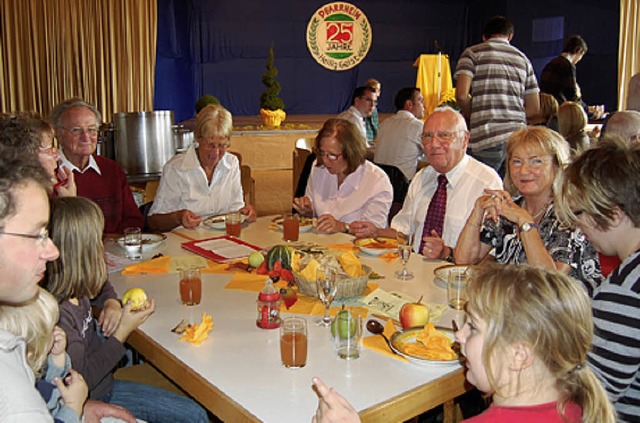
[137, 297]
[414, 314]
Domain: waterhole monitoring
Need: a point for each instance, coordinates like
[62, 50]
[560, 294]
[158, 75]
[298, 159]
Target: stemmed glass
[326, 289]
[405, 245]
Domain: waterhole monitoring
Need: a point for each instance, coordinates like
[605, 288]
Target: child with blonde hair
[62, 388]
[525, 341]
[80, 274]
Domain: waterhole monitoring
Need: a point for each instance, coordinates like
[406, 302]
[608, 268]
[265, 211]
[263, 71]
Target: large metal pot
[143, 141]
[182, 138]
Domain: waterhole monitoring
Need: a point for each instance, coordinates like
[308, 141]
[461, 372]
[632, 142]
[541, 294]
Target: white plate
[372, 247]
[217, 222]
[306, 223]
[442, 274]
[400, 338]
[149, 241]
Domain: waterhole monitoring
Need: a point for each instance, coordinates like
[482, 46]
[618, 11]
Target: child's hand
[132, 319]
[74, 390]
[110, 316]
[59, 346]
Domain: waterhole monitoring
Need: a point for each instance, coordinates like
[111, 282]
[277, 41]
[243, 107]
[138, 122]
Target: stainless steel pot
[143, 141]
[182, 138]
[106, 144]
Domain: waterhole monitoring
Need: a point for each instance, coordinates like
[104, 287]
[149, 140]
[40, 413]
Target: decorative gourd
[282, 253]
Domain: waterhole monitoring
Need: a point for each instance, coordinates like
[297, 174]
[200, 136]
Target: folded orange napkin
[377, 344]
[223, 268]
[344, 247]
[389, 257]
[156, 266]
[244, 281]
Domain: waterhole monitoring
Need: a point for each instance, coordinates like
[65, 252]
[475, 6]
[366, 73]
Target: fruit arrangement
[276, 264]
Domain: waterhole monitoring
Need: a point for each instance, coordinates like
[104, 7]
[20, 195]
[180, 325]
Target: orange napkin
[344, 247]
[244, 281]
[377, 344]
[156, 266]
[389, 257]
[222, 268]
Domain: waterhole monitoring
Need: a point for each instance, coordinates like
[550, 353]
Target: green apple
[414, 314]
[344, 325]
[255, 259]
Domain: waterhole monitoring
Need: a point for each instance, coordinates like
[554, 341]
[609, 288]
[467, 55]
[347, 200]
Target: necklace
[539, 213]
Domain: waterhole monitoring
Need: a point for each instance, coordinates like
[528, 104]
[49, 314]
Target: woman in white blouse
[203, 181]
[343, 187]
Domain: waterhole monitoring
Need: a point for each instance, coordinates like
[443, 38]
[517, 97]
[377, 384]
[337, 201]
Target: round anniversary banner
[339, 36]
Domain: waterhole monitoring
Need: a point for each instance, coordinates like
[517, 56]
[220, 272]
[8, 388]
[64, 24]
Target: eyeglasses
[444, 136]
[533, 163]
[50, 150]
[369, 100]
[43, 237]
[214, 146]
[330, 156]
[76, 131]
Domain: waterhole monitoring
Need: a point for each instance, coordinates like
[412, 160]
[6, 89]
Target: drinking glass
[405, 245]
[133, 243]
[190, 285]
[291, 227]
[293, 342]
[326, 289]
[348, 337]
[233, 224]
[457, 287]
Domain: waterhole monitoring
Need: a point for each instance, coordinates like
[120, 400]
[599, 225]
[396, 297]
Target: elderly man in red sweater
[101, 179]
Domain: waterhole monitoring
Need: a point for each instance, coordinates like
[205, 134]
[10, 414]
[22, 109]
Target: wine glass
[326, 289]
[405, 245]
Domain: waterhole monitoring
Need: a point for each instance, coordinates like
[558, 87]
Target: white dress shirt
[91, 165]
[354, 116]
[365, 195]
[399, 143]
[184, 185]
[467, 182]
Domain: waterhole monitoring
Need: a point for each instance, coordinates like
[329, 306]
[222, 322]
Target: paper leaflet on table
[389, 304]
[221, 249]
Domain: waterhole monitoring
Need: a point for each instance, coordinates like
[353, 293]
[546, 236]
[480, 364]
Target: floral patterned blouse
[565, 244]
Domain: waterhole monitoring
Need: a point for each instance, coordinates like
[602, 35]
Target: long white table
[237, 374]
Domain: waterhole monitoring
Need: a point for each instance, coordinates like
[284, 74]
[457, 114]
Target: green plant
[269, 99]
[204, 100]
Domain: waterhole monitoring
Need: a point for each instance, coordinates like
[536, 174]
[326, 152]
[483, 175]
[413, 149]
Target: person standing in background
[504, 91]
[372, 123]
[558, 77]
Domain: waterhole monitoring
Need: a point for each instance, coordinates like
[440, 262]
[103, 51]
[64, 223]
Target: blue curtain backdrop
[220, 47]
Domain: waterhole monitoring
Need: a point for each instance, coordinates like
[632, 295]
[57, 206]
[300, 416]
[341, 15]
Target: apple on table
[414, 314]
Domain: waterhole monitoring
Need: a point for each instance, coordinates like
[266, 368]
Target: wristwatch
[449, 257]
[526, 227]
[346, 228]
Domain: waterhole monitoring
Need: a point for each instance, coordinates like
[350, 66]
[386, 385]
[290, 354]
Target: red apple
[414, 314]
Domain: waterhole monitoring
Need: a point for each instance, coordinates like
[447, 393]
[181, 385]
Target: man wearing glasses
[76, 125]
[444, 138]
[363, 101]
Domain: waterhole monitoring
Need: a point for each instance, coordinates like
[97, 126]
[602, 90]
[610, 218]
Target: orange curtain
[100, 50]
[628, 54]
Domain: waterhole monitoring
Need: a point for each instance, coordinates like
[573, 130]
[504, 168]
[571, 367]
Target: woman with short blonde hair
[572, 122]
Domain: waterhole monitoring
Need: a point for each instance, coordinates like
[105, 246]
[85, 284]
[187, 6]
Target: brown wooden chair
[299, 158]
[248, 185]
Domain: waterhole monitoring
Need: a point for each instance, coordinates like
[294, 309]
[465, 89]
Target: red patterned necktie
[436, 210]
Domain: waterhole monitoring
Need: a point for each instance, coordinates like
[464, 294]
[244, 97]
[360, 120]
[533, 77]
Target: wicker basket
[347, 287]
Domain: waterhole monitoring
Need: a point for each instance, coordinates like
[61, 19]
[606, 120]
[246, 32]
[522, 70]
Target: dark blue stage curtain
[220, 47]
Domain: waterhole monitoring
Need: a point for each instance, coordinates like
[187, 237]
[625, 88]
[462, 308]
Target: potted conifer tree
[271, 105]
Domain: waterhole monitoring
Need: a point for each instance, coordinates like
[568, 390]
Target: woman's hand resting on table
[132, 319]
[189, 219]
[332, 407]
[329, 224]
[303, 206]
[250, 212]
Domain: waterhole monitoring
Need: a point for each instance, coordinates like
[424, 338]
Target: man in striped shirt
[600, 195]
[503, 88]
